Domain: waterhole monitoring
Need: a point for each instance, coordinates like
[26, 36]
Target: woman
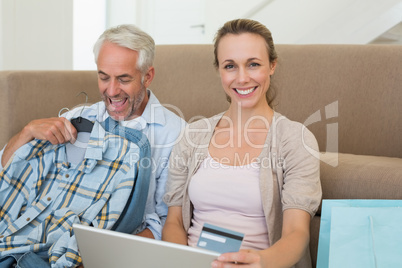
[249, 169]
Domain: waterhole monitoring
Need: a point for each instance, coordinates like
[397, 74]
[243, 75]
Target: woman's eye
[254, 64]
[229, 66]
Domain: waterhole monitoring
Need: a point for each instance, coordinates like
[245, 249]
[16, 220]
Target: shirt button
[67, 176]
[28, 219]
[49, 198]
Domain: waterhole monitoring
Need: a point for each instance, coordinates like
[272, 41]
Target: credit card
[219, 239]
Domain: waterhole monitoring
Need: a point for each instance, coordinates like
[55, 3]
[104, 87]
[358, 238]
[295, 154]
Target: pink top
[229, 197]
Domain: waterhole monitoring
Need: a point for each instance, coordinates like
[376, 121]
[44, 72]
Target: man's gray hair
[131, 37]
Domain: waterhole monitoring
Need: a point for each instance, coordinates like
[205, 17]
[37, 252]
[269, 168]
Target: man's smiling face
[119, 82]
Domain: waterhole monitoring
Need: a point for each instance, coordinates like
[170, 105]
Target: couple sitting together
[252, 173]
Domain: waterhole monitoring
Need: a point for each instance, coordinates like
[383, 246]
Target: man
[124, 57]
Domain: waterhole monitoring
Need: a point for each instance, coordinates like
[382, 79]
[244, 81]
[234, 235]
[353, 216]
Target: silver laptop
[104, 248]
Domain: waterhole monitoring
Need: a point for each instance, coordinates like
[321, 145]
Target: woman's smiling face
[245, 69]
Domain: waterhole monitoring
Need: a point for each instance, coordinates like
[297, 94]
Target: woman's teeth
[246, 91]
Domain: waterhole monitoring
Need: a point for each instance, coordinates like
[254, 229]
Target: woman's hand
[243, 258]
[284, 253]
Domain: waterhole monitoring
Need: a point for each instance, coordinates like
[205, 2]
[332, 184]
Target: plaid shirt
[42, 195]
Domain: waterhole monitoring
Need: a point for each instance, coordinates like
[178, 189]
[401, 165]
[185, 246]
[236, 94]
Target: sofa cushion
[348, 176]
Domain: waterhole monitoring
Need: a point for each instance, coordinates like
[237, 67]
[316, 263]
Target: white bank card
[219, 239]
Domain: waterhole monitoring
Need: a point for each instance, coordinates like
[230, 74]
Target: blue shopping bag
[355, 229]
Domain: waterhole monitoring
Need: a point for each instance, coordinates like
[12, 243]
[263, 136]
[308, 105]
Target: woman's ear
[273, 66]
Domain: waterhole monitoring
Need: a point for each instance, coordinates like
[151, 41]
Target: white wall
[179, 21]
[311, 21]
[391, 37]
[89, 22]
[329, 21]
[36, 34]
[167, 21]
[121, 12]
[49, 34]
[217, 12]
[1, 36]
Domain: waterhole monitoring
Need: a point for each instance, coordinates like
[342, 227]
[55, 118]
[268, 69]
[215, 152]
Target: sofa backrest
[350, 96]
[28, 95]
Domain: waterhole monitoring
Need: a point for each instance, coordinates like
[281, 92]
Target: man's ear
[149, 76]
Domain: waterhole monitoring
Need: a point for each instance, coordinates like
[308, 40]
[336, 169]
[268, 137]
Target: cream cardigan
[289, 174]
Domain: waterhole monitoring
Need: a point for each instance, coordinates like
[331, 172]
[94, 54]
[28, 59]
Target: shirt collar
[96, 142]
[154, 111]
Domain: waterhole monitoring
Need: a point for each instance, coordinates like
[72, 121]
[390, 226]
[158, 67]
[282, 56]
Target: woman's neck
[255, 118]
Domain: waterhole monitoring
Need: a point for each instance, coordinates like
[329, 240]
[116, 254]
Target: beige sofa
[349, 96]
